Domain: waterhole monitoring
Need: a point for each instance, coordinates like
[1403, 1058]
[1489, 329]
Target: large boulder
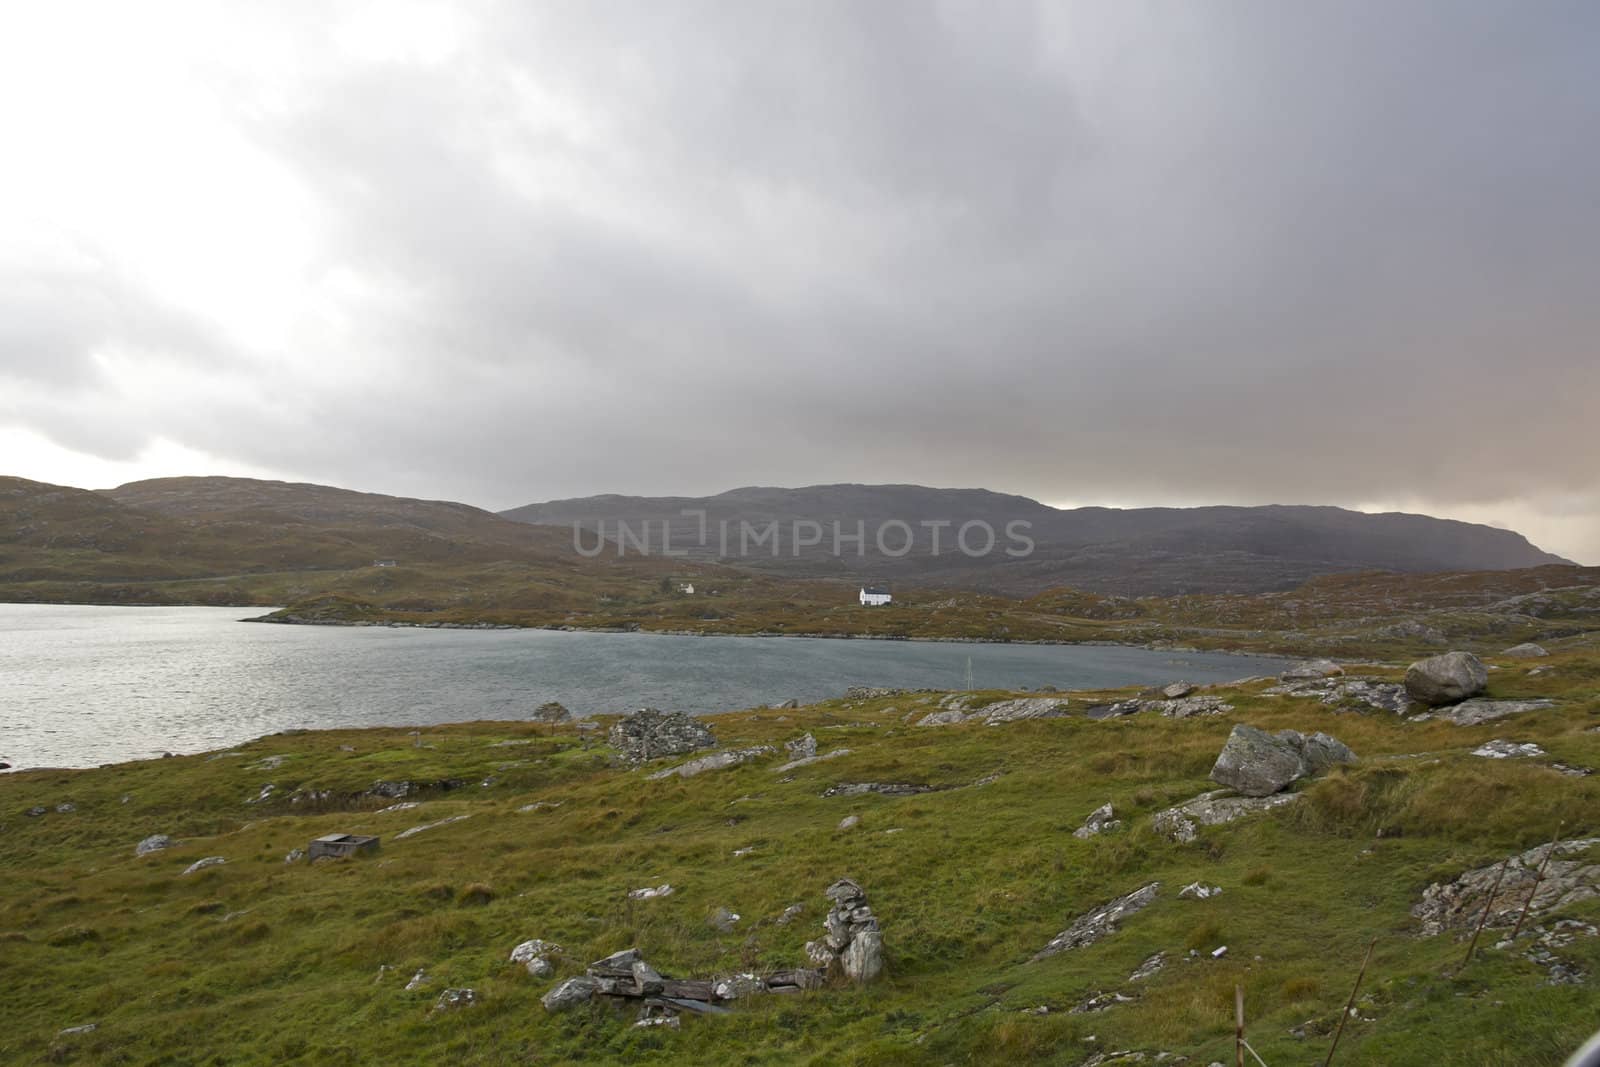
[1258, 764]
[1255, 763]
[1446, 679]
[649, 734]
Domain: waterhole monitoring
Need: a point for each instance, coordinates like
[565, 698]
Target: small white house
[686, 588]
[874, 596]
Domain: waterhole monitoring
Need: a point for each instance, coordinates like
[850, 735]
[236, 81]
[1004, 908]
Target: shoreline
[561, 628]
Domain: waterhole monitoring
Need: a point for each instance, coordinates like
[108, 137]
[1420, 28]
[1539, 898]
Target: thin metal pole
[1537, 878]
[1351, 1003]
[1488, 906]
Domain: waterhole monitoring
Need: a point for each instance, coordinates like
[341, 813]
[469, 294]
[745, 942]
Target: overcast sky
[1104, 252]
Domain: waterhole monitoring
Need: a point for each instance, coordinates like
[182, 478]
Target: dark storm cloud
[1226, 252]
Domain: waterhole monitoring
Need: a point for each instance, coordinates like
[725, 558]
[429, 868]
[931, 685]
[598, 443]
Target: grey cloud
[1241, 252]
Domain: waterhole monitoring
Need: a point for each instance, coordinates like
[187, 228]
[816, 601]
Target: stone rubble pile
[649, 734]
[853, 945]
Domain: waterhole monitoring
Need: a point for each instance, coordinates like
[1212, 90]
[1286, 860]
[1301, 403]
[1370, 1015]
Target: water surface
[83, 685]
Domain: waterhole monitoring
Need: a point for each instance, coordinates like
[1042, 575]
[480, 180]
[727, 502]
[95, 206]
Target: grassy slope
[258, 962]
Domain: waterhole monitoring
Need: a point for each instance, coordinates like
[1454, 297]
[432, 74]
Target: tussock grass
[258, 962]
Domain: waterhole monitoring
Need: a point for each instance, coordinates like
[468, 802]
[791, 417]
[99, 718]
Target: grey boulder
[570, 994]
[1258, 764]
[1526, 650]
[1446, 679]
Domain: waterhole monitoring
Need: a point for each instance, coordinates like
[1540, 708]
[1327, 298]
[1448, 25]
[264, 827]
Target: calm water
[81, 686]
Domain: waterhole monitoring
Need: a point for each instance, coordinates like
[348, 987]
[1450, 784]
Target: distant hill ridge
[1135, 551]
[173, 528]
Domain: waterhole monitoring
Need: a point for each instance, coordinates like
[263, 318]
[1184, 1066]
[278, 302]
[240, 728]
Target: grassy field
[261, 962]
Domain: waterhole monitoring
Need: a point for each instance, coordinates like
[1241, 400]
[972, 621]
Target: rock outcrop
[999, 712]
[1310, 669]
[1569, 877]
[1526, 650]
[453, 999]
[853, 945]
[1477, 711]
[1500, 748]
[153, 843]
[1259, 764]
[1182, 823]
[649, 734]
[535, 956]
[716, 761]
[1100, 820]
[1354, 694]
[1446, 679]
[1199, 891]
[1184, 707]
[627, 975]
[886, 789]
[1101, 922]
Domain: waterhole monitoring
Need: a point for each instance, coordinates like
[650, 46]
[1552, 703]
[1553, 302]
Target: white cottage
[874, 596]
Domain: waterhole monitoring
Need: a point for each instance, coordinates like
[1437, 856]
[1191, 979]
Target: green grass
[258, 962]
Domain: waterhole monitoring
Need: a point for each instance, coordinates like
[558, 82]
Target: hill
[217, 950]
[1132, 552]
[310, 549]
[243, 541]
